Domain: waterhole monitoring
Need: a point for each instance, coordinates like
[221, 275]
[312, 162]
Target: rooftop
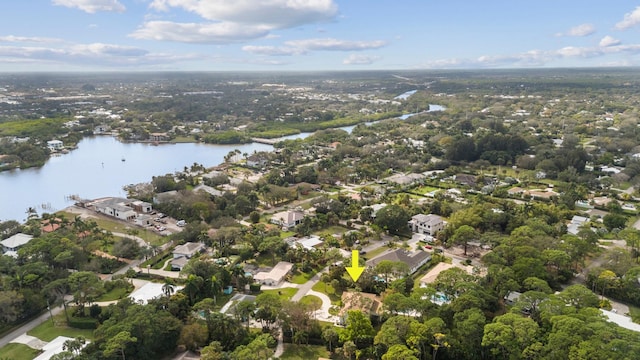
[16, 240]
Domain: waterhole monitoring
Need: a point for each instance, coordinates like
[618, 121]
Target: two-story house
[426, 224]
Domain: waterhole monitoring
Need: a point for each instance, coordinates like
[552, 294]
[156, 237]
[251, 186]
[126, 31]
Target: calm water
[96, 169]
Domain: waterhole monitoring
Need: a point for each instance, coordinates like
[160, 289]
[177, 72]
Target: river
[95, 169]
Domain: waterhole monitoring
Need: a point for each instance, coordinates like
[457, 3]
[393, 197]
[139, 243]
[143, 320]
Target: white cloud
[359, 59]
[90, 55]
[299, 47]
[536, 58]
[230, 21]
[330, 44]
[26, 39]
[206, 33]
[108, 50]
[630, 20]
[273, 50]
[580, 30]
[277, 14]
[92, 6]
[609, 41]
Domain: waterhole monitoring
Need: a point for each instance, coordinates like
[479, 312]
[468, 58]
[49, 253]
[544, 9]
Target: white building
[276, 276]
[426, 224]
[55, 145]
[287, 219]
[11, 244]
[117, 208]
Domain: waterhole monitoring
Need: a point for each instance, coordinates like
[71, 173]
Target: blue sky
[283, 35]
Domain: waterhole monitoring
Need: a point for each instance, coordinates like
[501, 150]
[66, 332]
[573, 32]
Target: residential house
[287, 219]
[414, 260]
[158, 137]
[275, 276]
[188, 250]
[11, 244]
[257, 160]
[426, 224]
[575, 224]
[55, 145]
[465, 179]
[308, 242]
[182, 254]
[116, 207]
[209, 190]
[375, 208]
[512, 298]
[101, 129]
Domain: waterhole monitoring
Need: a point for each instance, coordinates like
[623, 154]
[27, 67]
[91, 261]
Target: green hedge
[83, 323]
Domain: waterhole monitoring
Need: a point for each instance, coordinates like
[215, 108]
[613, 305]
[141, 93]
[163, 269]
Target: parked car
[428, 247]
[181, 223]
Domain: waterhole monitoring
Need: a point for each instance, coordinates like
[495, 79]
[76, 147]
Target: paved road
[306, 287]
[28, 326]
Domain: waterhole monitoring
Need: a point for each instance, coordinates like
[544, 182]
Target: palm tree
[192, 286]
[216, 288]
[238, 274]
[168, 288]
[31, 213]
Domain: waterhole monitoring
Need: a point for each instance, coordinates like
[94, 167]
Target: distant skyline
[310, 35]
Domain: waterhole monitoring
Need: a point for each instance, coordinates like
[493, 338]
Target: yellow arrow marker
[355, 270]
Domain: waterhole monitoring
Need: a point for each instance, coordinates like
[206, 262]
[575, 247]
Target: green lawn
[115, 294]
[286, 234]
[47, 331]
[15, 351]
[284, 293]
[304, 352]
[634, 312]
[328, 290]
[335, 229]
[424, 189]
[313, 301]
[373, 253]
[301, 277]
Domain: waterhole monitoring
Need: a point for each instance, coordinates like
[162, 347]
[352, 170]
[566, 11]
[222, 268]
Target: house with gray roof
[426, 224]
[414, 260]
[11, 244]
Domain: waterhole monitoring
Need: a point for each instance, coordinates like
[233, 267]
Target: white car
[181, 223]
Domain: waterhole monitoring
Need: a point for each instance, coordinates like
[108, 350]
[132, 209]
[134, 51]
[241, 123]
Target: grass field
[284, 293]
[15, 351]
[301, 277]
[373, 253]
[304, 352]
[424, 189]
[328, 290]
[313, 301]
[48, 331]
[115, 294]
